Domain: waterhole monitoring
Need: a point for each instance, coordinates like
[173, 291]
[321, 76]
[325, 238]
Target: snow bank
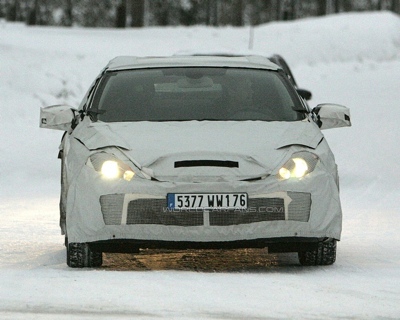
[338, 38]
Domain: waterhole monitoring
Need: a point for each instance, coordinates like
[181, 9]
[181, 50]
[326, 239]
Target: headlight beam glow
[300, 168]
[301, 164]
[110, 169]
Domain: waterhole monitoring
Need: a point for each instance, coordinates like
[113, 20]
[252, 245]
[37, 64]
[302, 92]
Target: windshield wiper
[93, 113]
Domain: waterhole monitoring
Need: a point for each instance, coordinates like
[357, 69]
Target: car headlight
[111, 167]
[300, 164]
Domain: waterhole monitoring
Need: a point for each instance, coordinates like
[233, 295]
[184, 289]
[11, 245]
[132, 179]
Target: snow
[350, 59]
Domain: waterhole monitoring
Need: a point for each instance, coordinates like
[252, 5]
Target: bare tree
[395, 6]
[343, 5]
[121, 15]
[260, 11]
[33, 18]
[12, 11]
[279, 8]
[336, 6]
[2, 9]
[137, 13]
[69, 18]
[193, 12]
[93, 13]
[160, 10]
[296, 9]
[208, 12]
[288, 9]
[211, 12]
[112, 13]
[237, 13]
[347, 5]
[321, 7]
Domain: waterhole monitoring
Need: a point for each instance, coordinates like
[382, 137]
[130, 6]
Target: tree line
[140, 13]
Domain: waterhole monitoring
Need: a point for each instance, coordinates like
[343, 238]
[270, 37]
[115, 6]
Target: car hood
[201, 150]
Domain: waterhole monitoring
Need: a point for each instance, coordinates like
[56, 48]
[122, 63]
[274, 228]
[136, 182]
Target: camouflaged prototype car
[197, 152]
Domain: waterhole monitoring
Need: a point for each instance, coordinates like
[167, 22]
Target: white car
[197, 152]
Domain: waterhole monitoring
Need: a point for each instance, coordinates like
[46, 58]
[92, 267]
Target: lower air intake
[154, 211]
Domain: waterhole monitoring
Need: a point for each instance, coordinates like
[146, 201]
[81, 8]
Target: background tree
[33, 14]
[121, 14]
[395, 6]
[211, 12]
[2, 9]
[237, 12]
[137, 13]
[12, 11]
[160, 10]
[68, 13]
[347, 5]
[190, 13]
[116, 13]
[321, 7]
[93, 13]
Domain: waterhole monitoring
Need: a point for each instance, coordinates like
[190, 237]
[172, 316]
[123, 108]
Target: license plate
[207, 201]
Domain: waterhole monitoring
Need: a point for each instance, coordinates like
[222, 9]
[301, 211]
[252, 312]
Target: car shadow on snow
[235, 260]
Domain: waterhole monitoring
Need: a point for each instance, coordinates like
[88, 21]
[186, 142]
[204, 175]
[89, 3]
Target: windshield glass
[183, 94]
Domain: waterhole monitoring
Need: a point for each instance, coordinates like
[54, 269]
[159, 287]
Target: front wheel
[323, 255]
[79, 255]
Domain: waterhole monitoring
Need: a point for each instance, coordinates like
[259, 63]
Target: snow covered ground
[350, 59]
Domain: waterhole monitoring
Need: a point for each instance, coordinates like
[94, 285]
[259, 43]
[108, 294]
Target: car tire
[277, 59]
[324, 255]
[79, 255]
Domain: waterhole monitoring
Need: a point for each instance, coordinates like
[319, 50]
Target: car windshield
[193, 93]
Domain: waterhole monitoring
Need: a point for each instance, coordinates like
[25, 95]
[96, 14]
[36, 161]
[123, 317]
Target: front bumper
[274, 245]
[99, 210]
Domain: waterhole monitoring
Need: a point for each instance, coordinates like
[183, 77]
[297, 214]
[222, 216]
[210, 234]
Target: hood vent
[206, 163]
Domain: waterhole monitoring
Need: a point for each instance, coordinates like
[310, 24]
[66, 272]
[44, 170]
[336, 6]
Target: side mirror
[332, 116]
[305, 94]
[57, 117]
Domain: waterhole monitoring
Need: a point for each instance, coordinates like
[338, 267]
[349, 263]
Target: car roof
[233, 61]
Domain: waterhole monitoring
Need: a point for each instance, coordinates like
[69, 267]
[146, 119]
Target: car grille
[111, 207]
[154, 211]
